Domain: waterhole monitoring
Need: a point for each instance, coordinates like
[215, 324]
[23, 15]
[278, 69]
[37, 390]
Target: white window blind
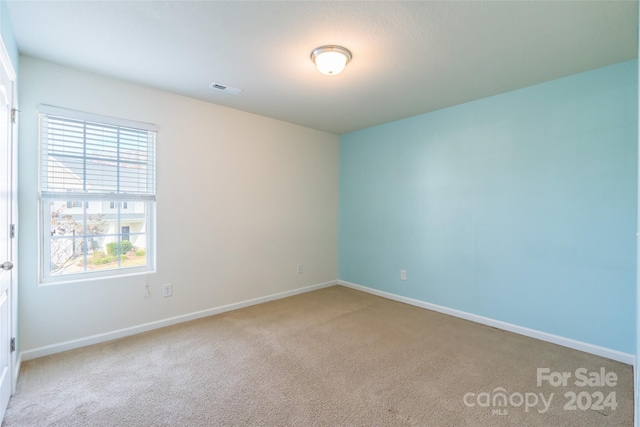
[95, 158]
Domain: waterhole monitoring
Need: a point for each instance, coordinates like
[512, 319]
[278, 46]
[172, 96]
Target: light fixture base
[330, 59]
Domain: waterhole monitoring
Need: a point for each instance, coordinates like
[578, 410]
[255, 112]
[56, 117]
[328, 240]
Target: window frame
[48, 199]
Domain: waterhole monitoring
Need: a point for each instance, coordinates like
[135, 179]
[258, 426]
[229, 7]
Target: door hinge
[13, 345]
[14, 115]
[12, 231]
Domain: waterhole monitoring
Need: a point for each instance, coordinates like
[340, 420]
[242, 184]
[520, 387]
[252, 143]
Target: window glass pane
[137, 255]
[96, 237]
[66, 255]
[75, 233]
[133, 231]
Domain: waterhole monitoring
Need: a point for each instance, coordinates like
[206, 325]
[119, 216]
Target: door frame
[14, 359]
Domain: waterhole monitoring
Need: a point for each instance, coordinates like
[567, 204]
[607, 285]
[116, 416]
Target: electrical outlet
[403, 274]
[167, 290]
[300, 268]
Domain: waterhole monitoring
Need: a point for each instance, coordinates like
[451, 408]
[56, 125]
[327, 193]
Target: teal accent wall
[6, 31]
[636, 387]
[520, 207]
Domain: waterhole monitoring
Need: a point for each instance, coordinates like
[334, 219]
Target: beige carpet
[334, 357]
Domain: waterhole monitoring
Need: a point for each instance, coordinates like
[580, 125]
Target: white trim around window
[89, 163]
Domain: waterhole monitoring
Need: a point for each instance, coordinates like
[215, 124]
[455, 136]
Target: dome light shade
[330, 59]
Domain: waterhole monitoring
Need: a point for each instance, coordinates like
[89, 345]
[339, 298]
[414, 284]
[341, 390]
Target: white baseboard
[616, 355]
[121, 333]
[636, 393]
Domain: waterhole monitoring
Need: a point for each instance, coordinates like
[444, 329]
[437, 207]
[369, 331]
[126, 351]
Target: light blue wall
[6, 31]
[635, 366]
[520, 207]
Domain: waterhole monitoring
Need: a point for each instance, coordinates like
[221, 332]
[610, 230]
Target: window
[92, 169]
[126, 230]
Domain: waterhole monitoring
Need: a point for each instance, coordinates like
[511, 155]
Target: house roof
[408, 57]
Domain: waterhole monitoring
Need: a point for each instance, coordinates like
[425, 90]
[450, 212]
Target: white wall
[242, 199]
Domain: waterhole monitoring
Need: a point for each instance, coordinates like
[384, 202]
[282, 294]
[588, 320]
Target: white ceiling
[408, 57]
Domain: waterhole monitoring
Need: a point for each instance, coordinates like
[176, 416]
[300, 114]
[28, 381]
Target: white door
[6, 239]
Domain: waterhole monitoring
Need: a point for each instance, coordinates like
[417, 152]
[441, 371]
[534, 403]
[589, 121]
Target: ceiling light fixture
[330, 59]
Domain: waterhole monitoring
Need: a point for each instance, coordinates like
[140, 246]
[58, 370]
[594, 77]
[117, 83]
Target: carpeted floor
[333, 357]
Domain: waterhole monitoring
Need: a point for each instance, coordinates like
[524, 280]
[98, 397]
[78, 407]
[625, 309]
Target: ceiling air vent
[225, 88]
